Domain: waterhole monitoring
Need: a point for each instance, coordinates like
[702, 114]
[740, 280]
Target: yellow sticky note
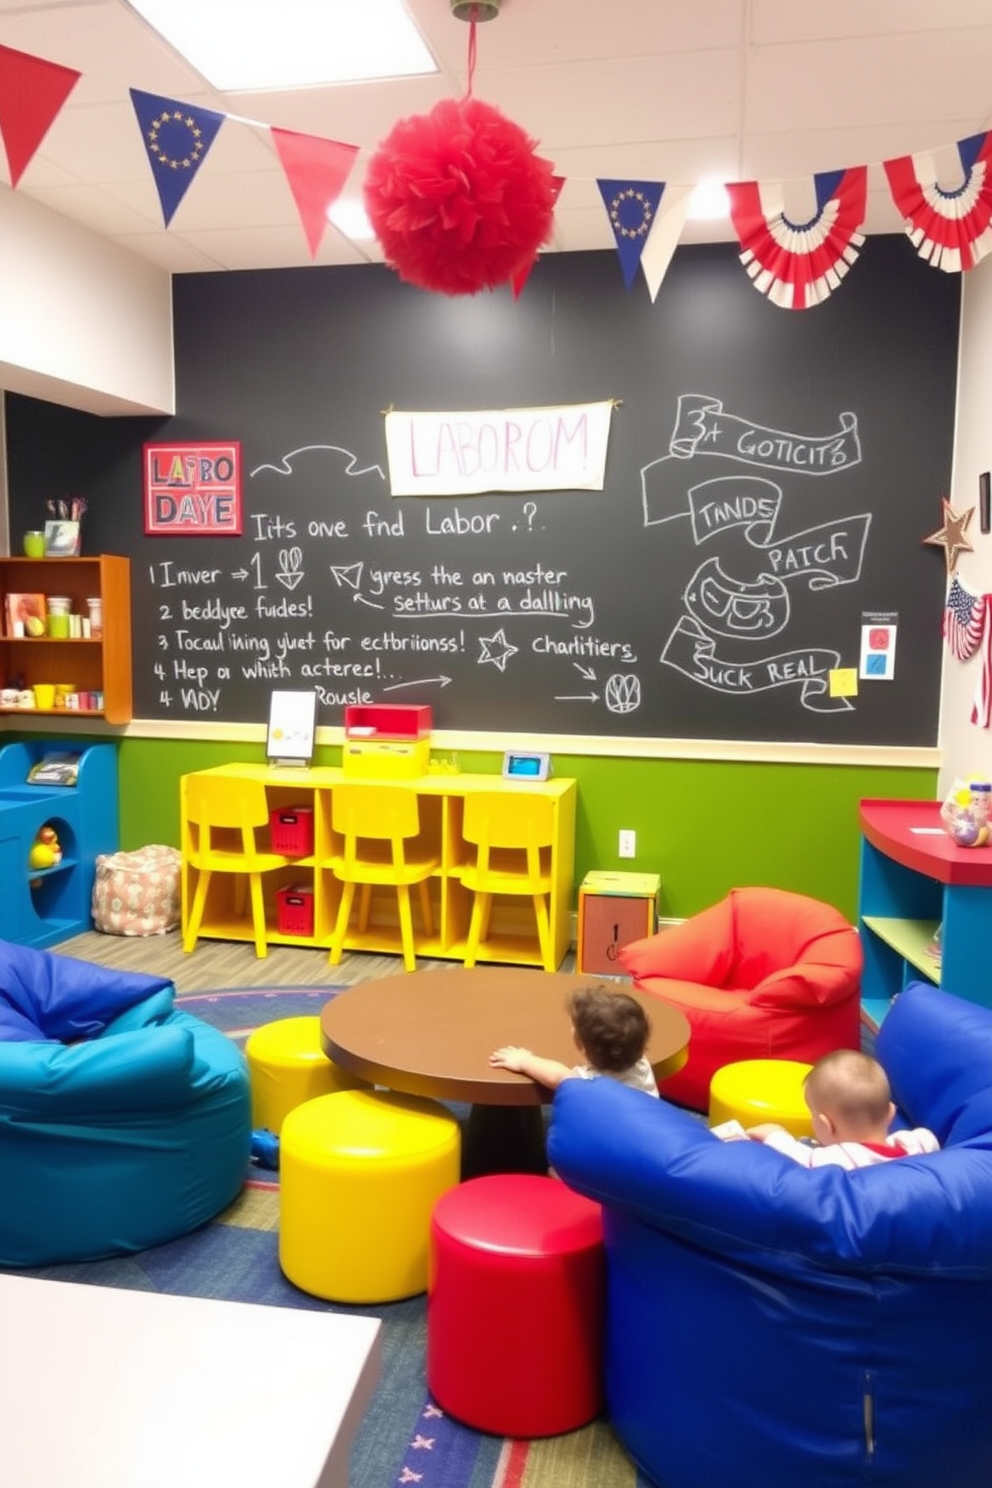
[844, 682]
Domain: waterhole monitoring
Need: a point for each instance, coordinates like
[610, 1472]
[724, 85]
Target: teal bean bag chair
[124, 1122]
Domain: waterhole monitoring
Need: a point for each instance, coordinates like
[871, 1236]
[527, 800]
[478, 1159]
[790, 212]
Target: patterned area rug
[405, 1438]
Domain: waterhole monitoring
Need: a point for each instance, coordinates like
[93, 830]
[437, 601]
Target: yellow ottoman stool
[287, 1067]
[758, 1090]
[360, 1173]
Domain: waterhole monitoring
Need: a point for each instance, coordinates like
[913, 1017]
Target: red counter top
[889, 826]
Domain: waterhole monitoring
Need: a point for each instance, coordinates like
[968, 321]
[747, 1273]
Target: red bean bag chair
[764, 974]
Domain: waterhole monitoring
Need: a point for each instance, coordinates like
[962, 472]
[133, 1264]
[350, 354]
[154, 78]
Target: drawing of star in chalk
[409, 1476]
[487, 652]
[952, 536]
[431, 1410]
[422, 1444]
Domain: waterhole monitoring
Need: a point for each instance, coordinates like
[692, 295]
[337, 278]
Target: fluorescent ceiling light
[247, 45]
[708, 201]
[350, 217]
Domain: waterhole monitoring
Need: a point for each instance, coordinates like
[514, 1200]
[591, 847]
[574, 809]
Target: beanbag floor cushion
[124, 1121]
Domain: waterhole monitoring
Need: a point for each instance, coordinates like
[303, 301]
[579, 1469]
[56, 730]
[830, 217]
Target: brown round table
[431, 1033]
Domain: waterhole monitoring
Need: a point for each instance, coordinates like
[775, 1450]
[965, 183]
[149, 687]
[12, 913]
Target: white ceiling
[662, 90]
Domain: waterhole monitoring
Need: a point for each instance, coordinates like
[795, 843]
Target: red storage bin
[387, 721]
[295, 910]
[291, 830]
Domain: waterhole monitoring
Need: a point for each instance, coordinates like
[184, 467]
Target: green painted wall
[704, 826]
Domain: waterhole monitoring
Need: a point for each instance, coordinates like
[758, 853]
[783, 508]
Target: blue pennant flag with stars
[176, 138]
[632, 207]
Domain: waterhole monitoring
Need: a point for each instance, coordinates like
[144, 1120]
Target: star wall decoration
[952, 536]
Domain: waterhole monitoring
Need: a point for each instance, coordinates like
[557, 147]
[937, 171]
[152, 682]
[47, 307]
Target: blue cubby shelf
[42, 907]
[914, 881]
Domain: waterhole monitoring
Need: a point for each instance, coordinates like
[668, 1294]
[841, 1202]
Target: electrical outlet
[628, 844]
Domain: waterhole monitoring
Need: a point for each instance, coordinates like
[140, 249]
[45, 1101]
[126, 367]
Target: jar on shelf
[95, 608]
[980, 792]
[59, 604]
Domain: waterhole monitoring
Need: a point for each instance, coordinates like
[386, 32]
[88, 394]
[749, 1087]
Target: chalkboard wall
[769, 480]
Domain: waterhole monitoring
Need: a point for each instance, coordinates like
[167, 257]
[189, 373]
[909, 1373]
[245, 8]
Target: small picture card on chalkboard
[292, 723]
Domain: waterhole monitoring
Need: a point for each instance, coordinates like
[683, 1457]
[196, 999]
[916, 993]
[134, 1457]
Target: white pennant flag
[663, 238]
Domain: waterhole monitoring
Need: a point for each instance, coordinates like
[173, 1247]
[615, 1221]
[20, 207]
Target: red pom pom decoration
[458, 199]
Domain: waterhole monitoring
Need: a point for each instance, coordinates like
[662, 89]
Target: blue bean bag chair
[769, 1325]
[124, 1122]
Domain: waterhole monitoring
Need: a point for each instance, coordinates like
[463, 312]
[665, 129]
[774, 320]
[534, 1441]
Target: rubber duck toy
[45, 850]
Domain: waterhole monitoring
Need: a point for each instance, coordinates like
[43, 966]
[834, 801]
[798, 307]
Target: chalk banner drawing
[720, 641]
[561, 448]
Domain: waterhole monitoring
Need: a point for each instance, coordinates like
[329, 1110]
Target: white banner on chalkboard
[506, 449]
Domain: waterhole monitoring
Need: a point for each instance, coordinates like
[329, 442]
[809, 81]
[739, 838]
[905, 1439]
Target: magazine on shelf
[57, 768]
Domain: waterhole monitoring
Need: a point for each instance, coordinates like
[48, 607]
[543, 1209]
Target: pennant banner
[950, 229]
[794, 265]
[176, 138]
[32, 92]
[632, 207]
[316, 170]
[799, 265]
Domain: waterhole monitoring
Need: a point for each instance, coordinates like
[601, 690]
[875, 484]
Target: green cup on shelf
[34, 544]
[58, 626]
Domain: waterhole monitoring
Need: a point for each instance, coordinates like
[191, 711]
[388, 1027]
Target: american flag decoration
[967, 631]
[950, 229]
[800, 264]
[963, 620]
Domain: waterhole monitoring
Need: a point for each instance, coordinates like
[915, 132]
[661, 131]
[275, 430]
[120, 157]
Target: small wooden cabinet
[914, 880]
[512, 935]
[93, 665]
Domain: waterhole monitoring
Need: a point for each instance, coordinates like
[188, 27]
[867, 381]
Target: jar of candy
[980, 792]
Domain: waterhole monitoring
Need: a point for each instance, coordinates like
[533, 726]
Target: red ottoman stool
[515, 1302]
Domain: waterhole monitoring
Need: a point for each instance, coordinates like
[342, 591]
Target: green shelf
[909, 939]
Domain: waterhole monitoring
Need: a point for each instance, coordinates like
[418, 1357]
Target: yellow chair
[221, 821]
[378, 826]
[512, 835]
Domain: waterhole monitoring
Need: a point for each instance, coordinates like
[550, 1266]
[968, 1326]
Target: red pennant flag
[32, 92]
[316, 170]
[519, 279]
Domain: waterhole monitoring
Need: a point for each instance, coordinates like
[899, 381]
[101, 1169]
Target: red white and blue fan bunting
[950, 229]
[800, 264]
